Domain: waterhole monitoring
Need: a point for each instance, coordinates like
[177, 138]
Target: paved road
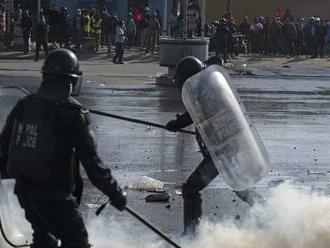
[291, 116]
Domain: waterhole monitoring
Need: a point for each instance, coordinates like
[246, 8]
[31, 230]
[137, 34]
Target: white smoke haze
[290, 218]
[105, 232]
[14, 224]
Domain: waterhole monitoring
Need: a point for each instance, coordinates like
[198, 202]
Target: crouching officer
[44, 138]
[207, 169]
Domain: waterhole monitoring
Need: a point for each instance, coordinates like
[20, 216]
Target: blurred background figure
[78, 28]
[130, 30]
[192, 19]
[87, 23]
[145, 29]
[41, 35]
[173, 22]
[96, 30]
[26, 25]
[327, 39]
[120, 40]
[154, 27]
[63, 31]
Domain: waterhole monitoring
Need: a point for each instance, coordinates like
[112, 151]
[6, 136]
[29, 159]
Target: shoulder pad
[27, 98]
[84, 111]
[73, 103]
[23, 100]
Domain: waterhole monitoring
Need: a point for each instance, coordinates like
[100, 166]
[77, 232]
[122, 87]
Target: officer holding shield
[45, 137]
[221, 128]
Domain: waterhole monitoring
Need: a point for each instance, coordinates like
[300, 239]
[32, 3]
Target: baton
[143, 221]
[137, 121]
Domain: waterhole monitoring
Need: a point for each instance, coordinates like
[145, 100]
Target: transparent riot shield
[16, 228]
[232, 141]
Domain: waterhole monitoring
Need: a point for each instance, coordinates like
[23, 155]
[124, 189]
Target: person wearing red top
[290, 36]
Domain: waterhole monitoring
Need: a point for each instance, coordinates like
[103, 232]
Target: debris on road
[161, 197]
[147, 183]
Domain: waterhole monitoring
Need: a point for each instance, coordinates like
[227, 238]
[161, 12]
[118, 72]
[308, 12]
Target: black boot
[192, 213]
[192, 210]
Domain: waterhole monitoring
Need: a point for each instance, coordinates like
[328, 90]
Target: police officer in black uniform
[206, 171]
[223, 39]
[45, 137]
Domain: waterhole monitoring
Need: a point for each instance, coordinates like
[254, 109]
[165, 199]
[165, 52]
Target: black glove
[119, 200]
[3, 170]
[172, 126]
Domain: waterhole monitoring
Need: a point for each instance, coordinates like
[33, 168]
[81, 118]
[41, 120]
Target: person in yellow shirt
[96, 28]
[87, 24]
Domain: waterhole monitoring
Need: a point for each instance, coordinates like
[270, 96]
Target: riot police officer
[45, 137]
[206, 171]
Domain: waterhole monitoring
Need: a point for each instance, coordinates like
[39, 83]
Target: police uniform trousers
[38, 46]
[197, 181]
[52, 217]
[202, 176]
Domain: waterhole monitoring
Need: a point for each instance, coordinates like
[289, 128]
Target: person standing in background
[26, 25]
[53, 25]
[78, 28]
[120, 40]
[321, 38]
[154, 32]
[87, 23]
[159, 18]
[130, 30]
[192, 19]
[104, 28]
[327, 39]
[63, 31]
[173, 22]
[300, 47]
[112, 32]
[222, 37]
[42, 36]
[92, 18]
[145, 29]
[244, 28]
[96, 27]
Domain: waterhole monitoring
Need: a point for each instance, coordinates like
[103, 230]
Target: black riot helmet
[60, 74]
[187, 67]
[61, 62]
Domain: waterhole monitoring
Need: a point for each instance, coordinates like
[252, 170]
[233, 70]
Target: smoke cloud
[291, 217]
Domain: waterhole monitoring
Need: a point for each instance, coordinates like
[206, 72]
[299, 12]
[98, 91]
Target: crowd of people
[280, 35]
[90, 29]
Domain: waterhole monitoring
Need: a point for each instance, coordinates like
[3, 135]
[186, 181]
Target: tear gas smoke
[290, 218]
[17, 229]
[108, 232]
